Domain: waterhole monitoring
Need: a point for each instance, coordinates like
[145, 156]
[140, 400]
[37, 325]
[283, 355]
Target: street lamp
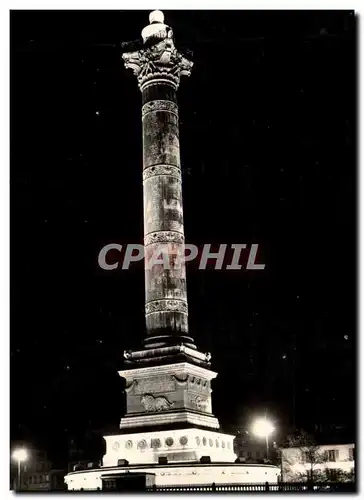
[263, 428]
[20, 455]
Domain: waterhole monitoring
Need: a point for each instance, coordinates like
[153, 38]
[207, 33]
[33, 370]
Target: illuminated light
[20, 455]
[263, 428]
[97, 112]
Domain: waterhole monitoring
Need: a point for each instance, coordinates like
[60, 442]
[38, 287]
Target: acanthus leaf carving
[159, 60]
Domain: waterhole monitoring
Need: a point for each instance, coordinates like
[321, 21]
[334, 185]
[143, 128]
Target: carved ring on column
[162, 170]
[160, 105]
[163, 237]
[166, 305]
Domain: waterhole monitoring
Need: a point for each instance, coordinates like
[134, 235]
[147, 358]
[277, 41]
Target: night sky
[268, 152]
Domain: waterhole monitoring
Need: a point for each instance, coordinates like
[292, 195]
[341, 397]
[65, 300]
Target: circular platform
[180, 474]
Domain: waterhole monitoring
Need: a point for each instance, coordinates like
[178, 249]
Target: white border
[183, 5]
[4, 170]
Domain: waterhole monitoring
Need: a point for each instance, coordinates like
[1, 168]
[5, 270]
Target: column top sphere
[156, 29]
[156, 16]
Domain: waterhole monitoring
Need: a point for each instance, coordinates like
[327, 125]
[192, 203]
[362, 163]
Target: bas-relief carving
[154, 404]
[116, 446]
[160, 105]
[200, 402]
[183, 440]
[166, 305]
[169, 170]
[155, 443]
[169, 441]
[142, 444]
[163, 237]
[198, 393]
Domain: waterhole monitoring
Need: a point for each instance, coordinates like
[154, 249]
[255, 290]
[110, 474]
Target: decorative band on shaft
[160, 105]
[162, 170]
[166, 305]
[158, 79]
[164, 237]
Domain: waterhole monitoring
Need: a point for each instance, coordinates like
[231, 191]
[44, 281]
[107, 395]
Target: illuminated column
[158, 68]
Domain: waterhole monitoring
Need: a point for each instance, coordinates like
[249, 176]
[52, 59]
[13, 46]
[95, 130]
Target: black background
[267, 131]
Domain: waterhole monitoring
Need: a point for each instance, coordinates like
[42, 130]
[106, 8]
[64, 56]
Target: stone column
[158, 68]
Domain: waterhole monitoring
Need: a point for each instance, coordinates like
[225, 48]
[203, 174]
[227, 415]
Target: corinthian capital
[159, 60]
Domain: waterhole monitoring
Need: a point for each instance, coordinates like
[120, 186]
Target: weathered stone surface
[172, 387]
[158, 68]
[163, 220]
[163, 204]
[160, 139]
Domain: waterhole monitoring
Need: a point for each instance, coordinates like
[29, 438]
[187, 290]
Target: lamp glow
[263, 428]
[20, 455]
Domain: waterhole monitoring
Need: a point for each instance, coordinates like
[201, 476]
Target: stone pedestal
[177, 393]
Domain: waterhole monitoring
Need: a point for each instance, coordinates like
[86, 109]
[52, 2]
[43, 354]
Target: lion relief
[159, 403]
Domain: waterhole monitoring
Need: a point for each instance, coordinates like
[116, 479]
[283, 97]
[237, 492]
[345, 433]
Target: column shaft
[165, 289]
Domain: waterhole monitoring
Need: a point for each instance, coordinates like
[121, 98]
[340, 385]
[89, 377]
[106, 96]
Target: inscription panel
[155, 385]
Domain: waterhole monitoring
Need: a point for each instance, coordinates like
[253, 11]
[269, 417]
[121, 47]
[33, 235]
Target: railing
[261, 487]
